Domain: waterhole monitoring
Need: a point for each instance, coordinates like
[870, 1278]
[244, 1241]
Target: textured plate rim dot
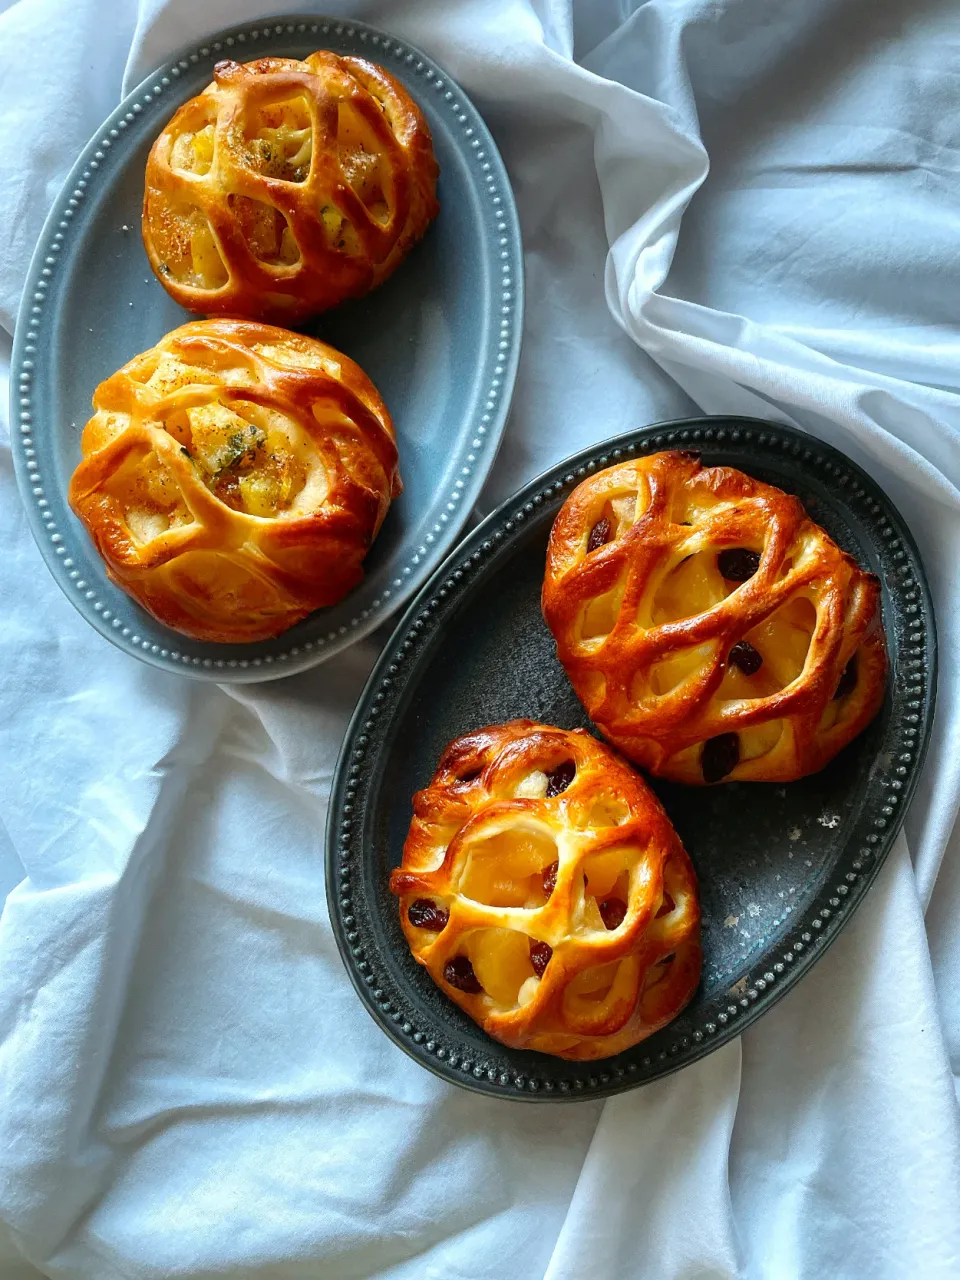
[813, 929]
[490, 178]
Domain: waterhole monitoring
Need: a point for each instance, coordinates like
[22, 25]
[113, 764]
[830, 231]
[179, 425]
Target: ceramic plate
[440, 340]
[781, 868]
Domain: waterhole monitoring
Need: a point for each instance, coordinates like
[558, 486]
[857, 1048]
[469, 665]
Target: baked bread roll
[287, 186]
[234, 476]
[545, 891]
[712, 631]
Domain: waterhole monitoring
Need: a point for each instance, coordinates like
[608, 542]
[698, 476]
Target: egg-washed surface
[545, 891]
[712, 630]
[287, 186]
[234, 477]
[781, 867]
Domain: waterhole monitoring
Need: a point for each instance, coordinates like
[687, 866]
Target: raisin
[559, 779]
[720, 756]
[540, 953]
[459, 973]
[666, 906]
[612, 912]
[746, 657]
[737, 564]
[550, 878]
[470, 776]
[599, 534]
[848, 681]
[424, 913]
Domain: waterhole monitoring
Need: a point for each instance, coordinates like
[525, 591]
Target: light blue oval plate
[441, 340]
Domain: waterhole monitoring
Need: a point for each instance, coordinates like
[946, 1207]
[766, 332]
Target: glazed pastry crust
[234, 476]
[287, 186]
[505, 804]
[646, 623]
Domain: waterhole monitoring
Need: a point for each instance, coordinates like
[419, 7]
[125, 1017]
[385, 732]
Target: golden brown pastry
[287, 186]
[234, 476]
[709, 627]
[546, 892]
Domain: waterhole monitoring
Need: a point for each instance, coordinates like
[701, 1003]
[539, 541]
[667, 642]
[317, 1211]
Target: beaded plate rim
[395, 1007]
[47, 509]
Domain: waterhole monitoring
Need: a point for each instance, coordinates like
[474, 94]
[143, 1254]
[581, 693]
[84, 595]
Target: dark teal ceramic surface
[440, 340]
[781, 867]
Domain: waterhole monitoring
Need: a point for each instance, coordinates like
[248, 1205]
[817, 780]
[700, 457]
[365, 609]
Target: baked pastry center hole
[667, 905]
[617, 515]
[602, 811]
[690, 588]
[253, 459]
[149, 496]
[600, 614]
[505, 964]
[720, 755]
[193, 152]
[601, 989]
[546, 783]
[188, 249]
[278, 140]
[507, 869]
[673, 670]
[361, 162]
[658, 972]
[206, 261]
[606, 888]
[759, 739]
[775, 653]
[267, 233]
[691, 504]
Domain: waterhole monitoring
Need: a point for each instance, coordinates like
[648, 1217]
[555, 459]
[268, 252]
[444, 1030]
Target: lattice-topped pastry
[546, 892]
[234, 476]
[710, 628]
[287, 186]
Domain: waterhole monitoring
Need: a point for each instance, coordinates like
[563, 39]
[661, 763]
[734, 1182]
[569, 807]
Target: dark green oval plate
[781, 868]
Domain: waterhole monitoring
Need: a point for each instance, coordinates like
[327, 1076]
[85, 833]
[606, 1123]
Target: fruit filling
[279, 141]
[507, 869]
[606, 888]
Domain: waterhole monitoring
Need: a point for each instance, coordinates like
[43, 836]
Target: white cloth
[189, 1086]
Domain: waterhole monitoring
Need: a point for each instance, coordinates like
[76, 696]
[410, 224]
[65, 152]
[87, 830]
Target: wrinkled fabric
[728, 206]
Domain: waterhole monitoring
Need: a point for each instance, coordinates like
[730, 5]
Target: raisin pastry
[234, 476]
[545, 891]
[287, 186]
[709, 627]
